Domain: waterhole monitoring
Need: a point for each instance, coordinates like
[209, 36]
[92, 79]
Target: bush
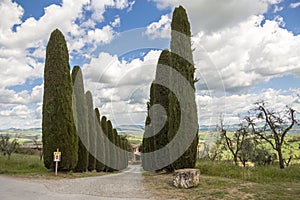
[25, 151]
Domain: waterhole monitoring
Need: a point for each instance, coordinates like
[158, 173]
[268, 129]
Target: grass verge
[220, 180]
[29, 166]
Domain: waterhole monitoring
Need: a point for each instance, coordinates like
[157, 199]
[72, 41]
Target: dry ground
[220, 188]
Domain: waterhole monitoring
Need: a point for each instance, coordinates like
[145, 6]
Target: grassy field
[220, 180]
[22, 165]
[30, 166]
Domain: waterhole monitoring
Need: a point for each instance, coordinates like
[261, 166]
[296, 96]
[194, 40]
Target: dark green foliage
[81, 119]
[180, 60]
[92, 131]
[158, 131]
[148, 140]
[111, 155]
[117, 152]
[106, 145]
[58, 124]
[100, 147]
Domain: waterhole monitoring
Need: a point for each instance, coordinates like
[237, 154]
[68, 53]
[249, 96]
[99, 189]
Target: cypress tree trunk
[100, 148]
[80, 117]
[58, 125]
[92, 131]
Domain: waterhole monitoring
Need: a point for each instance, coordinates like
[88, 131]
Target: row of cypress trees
[173, 145]
[70, 122]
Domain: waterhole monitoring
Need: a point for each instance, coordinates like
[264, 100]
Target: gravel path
[125, 185]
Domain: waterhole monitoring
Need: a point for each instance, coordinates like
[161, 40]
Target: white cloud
[104, 35]
[278, 9]
[98, 7]
[120, 88]
[245, 55]
[116, 22]
[14, 16]
[108, 68]
[295, 5]
[235, 106]
[22, 46]
[160, 29]
[213, 15]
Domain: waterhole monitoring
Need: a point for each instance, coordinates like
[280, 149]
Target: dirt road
[125, 185]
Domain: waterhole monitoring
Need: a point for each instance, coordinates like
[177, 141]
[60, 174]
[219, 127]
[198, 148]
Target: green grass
[30, 166]
[258, 174]
[221, 180]
[22, 165]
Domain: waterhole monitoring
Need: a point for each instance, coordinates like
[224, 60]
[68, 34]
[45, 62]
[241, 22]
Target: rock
[186, 178]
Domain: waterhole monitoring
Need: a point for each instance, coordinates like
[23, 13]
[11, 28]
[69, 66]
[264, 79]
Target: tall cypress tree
[179, 116]
[81, 119]
[156, 132]
[100, 148]
[117, 152]
[148, 143]
[106, 145]
[58, 125]
[92, 131]
[111, 157]
[182, 62]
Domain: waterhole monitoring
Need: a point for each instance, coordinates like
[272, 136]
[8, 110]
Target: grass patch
[221, 180]
[258, 174]
[30, 166]
[20, 164]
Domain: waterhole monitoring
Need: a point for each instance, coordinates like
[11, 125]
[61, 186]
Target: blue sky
[245, 51]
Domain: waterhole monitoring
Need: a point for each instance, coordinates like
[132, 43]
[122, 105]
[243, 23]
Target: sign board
[57, 156]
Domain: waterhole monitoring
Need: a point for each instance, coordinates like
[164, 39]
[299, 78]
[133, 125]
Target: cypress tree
[179, 116]
[106, 145]
[92, 131]
[161, 97]
[182, 62]
[80, 117]
[148, 143]
[100, 148]
[58, 125]
[117, 150]
[111, 157]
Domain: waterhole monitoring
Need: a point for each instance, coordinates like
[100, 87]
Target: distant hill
[130, 130]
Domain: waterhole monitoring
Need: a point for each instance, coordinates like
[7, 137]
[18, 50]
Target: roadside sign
[56, 159]
[57, 156]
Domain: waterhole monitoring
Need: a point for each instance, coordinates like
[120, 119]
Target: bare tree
[37, 144]
[7, 147]
[239, 144]
[275, 127]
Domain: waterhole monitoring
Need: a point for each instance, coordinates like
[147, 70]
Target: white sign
[57, 156]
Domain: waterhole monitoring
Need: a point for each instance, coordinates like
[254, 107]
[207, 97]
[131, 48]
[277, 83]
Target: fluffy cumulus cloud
[247, 54]
[235, 107]
[295, 5]
[120, 88]
[160, 29]
[236, 48]
[213, 15]
[22, 46]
